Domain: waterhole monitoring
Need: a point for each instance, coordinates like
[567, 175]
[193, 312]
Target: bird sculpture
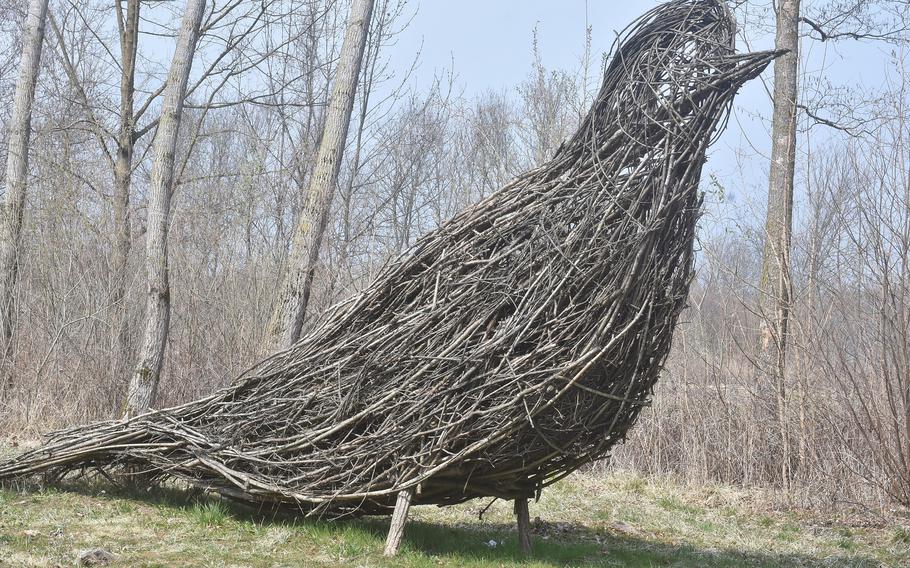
[507, 348]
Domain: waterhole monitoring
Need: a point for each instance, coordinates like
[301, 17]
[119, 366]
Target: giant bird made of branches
[507, 348]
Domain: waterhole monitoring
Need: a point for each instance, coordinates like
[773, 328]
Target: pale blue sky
[490, 41]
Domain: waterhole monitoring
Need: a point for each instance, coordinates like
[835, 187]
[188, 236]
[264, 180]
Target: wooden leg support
[399, 518]
[524, 525]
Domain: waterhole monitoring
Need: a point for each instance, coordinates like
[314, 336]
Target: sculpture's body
[514, 344]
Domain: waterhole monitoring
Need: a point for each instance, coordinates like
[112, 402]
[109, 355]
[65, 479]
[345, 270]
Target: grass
[210, 513]
[615, 519]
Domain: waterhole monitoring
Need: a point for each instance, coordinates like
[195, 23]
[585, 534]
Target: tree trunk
[290, 308]
[775, 286]
[123, 169]
[144, 383]
[17, 167]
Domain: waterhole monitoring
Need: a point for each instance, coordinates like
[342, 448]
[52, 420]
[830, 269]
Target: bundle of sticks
[505, 349]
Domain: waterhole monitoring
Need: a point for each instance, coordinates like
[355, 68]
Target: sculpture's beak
[746, 66]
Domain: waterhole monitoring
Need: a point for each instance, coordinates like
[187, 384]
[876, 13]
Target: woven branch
[512, 345]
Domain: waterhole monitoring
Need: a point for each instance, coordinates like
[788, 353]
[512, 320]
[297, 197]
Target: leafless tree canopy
[508, 347]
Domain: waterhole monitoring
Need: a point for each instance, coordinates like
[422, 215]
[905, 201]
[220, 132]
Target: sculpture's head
[672, 75]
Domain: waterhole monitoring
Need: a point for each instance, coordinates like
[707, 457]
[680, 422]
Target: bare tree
[775, 285]
[863, 343]
[881, 20]
[144, 383]
[287, 320]
[547, 98]
[128, 27]
[118, 148]
[17, 166]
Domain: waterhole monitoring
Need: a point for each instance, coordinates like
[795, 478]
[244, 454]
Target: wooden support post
[524, 525]
[399, 518]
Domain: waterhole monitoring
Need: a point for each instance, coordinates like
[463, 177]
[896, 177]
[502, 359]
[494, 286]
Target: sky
[488, 44]
[490, 41]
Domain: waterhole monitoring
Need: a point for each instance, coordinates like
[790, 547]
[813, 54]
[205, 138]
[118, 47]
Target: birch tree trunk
[17, 166]
[290, 308]
[775, 287]
[144, 383]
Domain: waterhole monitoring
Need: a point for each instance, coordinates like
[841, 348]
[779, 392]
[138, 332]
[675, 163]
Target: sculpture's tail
[83, 448]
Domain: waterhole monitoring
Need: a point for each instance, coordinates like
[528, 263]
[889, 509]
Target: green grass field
[613, 519]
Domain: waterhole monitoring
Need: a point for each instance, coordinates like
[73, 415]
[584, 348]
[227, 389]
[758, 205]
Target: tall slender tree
[20, 129]
[290, 309]
[118, 156]
[144, 383]
[128, 28]
[775, 287]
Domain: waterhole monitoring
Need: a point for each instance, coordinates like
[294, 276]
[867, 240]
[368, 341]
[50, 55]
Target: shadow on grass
[473, 544]
[581, 545]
